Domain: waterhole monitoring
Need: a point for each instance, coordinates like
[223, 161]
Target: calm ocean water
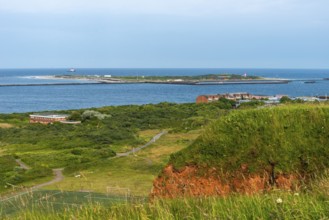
[40, 98]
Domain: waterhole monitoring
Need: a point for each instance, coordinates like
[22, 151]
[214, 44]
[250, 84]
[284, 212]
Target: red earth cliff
[188, 183]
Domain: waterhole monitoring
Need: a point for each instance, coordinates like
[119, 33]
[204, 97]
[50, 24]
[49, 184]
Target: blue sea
[42, 98]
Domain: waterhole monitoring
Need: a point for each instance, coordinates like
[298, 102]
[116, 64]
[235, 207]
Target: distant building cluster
[229, 96]
[235, 97]
[241, 97]
[49, 118]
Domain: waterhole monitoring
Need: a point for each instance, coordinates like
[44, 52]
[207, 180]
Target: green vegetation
[55, 200]
[275, 205]
[251, 104]
[205, 77]
[287, 100]
[103, 132]
[290, 139]
[12, 174]
[212, 77]
[135, 172]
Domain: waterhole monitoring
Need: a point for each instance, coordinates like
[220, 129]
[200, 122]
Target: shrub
[91, 114]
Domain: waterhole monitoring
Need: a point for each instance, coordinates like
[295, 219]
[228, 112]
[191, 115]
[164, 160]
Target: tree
[285, 99]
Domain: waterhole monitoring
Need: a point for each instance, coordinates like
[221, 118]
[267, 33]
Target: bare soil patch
[6, 125]
[189, 183]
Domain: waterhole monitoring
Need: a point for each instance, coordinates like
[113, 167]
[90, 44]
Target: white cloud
[183, 7]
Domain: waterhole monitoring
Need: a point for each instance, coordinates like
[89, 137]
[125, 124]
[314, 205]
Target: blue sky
[164, 33]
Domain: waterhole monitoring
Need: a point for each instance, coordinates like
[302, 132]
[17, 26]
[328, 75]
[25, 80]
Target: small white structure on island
[108, 76]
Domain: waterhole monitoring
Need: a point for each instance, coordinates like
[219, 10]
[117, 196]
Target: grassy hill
[293, 138]
[255, 148]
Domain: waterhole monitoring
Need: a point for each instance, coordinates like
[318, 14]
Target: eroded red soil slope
[189, 182]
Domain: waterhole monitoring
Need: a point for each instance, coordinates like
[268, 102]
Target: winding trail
[58, 177]
[57, 173]
[134, 150]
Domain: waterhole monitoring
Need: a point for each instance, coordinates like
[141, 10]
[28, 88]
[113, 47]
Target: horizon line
[282, 68]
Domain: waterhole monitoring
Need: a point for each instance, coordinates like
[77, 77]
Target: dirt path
[58, 177]
[57, 172]
[22, 164]
[154, 139]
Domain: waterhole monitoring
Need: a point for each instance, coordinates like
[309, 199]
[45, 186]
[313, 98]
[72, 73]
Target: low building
[207, 98]
[47, 118]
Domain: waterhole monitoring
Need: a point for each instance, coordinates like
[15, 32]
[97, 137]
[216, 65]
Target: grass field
[135, 172]
[130, 176]
[274, 205]
[145, 135]
[56, 200]
[2, 152]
